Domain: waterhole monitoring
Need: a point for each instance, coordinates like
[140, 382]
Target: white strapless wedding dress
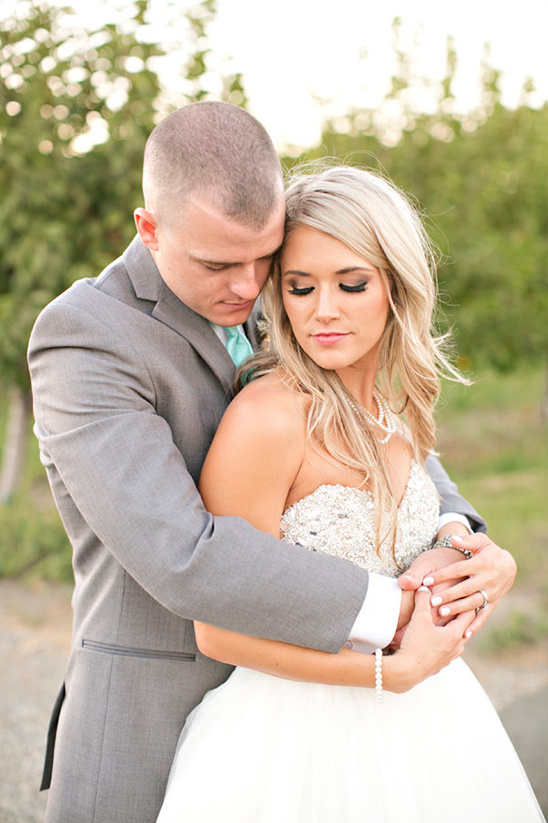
[260, 749]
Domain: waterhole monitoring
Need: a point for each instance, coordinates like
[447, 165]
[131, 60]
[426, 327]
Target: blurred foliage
[480, 178]
[62, 212]
[33, 546]
[76, 107]
[33, 543]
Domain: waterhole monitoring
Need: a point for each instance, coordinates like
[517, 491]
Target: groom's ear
[147, 228]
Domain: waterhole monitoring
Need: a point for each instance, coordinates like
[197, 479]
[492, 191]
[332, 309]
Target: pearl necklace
[386, 419]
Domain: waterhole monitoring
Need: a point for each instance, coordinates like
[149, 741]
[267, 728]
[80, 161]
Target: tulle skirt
[260, 749]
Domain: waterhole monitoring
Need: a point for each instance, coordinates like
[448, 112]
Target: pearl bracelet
[445, 542]
[378, 675]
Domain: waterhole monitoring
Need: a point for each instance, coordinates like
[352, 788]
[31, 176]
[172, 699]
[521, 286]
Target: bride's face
[335, 300]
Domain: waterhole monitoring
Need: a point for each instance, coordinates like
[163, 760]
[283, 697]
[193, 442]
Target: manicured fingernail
[423, 589]
[428, 581]
[436, 600]
[468, 634]
[445, 611]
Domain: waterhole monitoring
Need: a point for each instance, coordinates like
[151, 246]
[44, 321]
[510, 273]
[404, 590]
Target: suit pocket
[128, 651]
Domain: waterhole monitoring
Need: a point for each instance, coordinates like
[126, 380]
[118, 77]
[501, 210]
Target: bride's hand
[484, 578]
[490, 574]
[425, 648]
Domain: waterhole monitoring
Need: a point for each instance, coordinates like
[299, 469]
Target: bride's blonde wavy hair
[374, 219]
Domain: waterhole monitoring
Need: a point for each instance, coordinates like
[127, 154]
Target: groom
[130, 377]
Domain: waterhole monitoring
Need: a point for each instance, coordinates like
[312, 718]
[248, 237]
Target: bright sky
[293, 52]
[302, 60]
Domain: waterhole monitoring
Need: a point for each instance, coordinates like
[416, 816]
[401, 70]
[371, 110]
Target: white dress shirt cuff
[377, 620]
[453, 517]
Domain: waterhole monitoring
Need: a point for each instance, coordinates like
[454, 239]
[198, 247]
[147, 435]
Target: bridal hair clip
[378, 675]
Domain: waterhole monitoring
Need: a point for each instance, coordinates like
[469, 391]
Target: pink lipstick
[328, 338]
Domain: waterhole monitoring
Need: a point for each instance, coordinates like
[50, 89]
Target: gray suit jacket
[129, 386]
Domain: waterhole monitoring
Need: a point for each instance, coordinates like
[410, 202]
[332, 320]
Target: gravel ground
[33, 649]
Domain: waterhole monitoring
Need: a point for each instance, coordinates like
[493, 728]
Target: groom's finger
[443, 595]
[434, 565]
[461, 569]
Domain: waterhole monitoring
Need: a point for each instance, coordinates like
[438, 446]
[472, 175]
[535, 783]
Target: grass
[494, 444]
[519, 628]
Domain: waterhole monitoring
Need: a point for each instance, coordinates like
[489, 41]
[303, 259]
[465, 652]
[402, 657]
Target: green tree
[76, 108]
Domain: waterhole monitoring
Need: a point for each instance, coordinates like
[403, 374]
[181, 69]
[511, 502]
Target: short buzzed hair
[217, 151]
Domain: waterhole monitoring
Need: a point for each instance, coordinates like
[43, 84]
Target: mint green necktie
[237, 345]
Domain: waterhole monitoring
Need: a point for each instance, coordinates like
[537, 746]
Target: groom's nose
[248, 280]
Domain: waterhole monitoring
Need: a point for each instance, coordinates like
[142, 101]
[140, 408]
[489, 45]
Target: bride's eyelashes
[346, 287]
[355, 288]
[300, 290]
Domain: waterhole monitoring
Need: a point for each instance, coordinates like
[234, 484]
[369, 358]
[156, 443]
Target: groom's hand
[442, 559]
[467, 583]
[490, 574]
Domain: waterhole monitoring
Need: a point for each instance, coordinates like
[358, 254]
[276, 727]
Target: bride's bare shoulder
[273, 396]
[267, 413]
[263, 431]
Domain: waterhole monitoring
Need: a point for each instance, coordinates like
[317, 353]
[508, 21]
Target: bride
[326, 446]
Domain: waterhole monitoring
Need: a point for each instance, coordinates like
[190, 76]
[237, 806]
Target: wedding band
[485, 601]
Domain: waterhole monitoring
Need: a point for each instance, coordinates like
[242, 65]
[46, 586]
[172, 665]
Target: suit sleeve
[451, 500]
[100, 434]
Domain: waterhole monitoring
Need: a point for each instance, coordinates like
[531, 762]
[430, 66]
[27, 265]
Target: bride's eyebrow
[347, 270]
[351, 269]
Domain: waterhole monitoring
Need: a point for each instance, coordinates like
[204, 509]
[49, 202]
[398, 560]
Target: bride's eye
[300, 290]
[357, 287]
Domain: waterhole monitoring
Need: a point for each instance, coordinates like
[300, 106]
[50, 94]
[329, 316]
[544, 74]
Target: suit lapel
[170, 311]
[198, 332]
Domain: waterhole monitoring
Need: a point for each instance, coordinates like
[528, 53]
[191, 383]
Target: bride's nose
[327, 304]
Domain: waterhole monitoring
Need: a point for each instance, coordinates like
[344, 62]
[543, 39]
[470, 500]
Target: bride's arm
[249, 472]
[425, 650]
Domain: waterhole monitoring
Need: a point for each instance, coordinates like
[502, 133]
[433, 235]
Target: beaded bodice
[340, 520]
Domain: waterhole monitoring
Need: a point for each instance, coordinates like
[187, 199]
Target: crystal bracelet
[445, 542]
